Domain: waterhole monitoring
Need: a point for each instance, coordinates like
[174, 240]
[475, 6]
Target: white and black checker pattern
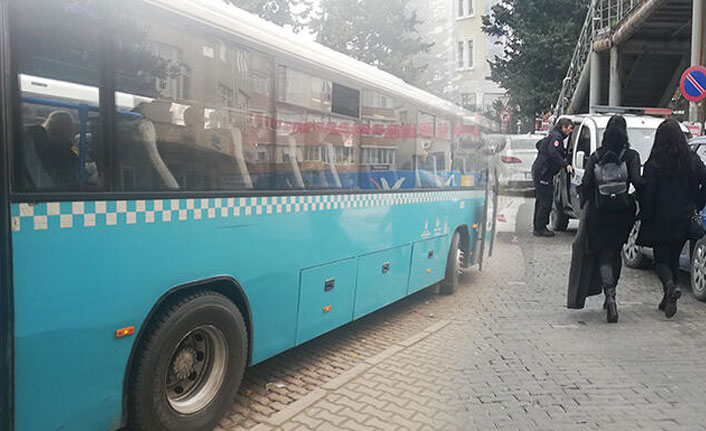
[67, 215]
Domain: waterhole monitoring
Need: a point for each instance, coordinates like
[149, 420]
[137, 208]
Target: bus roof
[246, 26]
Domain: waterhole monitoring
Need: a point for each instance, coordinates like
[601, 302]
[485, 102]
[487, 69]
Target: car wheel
[558, 220]
[698, 270]
[454, 266]
[189, 365]
[632, 253]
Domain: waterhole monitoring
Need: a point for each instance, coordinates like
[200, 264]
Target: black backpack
[612, 187]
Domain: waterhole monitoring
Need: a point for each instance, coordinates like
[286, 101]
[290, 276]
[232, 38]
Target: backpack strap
[622, 154]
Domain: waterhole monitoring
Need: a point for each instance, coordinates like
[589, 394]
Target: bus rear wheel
[454, 266]
[189, 366]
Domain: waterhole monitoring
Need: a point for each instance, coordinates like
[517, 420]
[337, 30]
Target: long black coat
[609, 231]
[668, 202]
[584, 275]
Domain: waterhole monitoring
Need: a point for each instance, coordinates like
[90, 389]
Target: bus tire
[454, 267]
[189, 366]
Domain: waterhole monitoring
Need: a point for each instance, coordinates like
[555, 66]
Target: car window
[572, 139]
[584, 143]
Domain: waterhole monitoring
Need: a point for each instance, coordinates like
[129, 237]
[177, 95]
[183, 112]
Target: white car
[514, 159]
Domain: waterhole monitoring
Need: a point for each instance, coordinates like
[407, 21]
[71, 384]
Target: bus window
[58, 146]
[433, 152]
[317, 133]
[204, 108]
[387, 143]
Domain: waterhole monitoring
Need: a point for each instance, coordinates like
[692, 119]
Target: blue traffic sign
[693, 84]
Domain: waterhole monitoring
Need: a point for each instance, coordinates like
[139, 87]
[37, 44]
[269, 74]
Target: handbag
[696, 226]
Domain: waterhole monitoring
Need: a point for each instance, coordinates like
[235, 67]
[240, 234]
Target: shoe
[663, 303]
[670, 306]
[610, 305]
[544, 233]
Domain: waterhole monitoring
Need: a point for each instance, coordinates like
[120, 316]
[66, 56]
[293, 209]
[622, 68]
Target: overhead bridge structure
[633, 53]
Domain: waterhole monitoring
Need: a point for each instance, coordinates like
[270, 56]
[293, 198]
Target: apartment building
[458, 61]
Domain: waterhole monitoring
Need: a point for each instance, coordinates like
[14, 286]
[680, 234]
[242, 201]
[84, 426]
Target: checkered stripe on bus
[66, 215]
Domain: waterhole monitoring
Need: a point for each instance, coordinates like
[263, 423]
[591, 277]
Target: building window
[468, 101]
[466, 54]
[465, 9]
[460, 61]
[471, 54]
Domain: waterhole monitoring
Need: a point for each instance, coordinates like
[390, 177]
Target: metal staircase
[602, 19]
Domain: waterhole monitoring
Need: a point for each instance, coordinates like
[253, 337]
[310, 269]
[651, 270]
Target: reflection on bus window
[317, 133]
[58, 146]
[209, 103]
[195, 111]
[387, 143]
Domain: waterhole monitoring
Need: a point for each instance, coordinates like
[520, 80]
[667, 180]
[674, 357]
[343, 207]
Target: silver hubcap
[631, 250]
[460, 257]
[197, 369]
[698, 269]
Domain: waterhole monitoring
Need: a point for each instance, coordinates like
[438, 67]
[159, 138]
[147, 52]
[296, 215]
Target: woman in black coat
[675, 179]
[609, 230]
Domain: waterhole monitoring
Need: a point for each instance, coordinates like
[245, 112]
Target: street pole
[615, 86]
[697, 44]
[594, 97]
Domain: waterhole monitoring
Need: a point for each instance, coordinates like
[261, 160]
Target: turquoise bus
[188, 190]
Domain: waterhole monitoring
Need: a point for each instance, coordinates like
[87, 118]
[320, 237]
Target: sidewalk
[504, 353]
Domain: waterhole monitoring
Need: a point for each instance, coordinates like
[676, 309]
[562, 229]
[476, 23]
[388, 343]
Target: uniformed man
[550, 160]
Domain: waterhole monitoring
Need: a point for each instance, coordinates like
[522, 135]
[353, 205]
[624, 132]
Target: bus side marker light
[327, 309]
[475, 226]
[428, 270]
[124, 332]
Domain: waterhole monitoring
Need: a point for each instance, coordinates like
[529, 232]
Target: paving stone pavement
[502, 353]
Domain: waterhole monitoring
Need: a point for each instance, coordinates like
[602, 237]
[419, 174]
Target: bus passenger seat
[36, 173]
[139, 151]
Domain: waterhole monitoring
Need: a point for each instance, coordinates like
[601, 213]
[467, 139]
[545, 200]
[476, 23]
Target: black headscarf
[615, 138]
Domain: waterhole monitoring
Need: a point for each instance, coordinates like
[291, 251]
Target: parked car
[515, 156]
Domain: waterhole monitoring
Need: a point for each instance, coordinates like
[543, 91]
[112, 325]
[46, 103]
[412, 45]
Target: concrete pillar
[697, 44]
[615, 85]
[594, 97]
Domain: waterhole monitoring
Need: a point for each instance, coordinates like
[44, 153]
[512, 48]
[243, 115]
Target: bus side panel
[84, 269]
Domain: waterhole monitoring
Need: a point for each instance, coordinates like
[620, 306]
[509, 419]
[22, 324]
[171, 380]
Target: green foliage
[381, 33]
[540, 37]
[290, 13]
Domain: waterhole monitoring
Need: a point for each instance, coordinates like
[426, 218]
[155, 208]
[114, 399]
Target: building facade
[458, 62]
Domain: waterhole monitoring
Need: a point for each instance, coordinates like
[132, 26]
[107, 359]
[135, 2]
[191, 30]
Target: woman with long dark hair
[609, 223]
[674, 182]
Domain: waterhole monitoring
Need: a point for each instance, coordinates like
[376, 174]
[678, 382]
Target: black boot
[610, 305]
[673, 295]
[662, 304]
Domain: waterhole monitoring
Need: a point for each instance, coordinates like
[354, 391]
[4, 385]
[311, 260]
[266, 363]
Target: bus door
[488, 218]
